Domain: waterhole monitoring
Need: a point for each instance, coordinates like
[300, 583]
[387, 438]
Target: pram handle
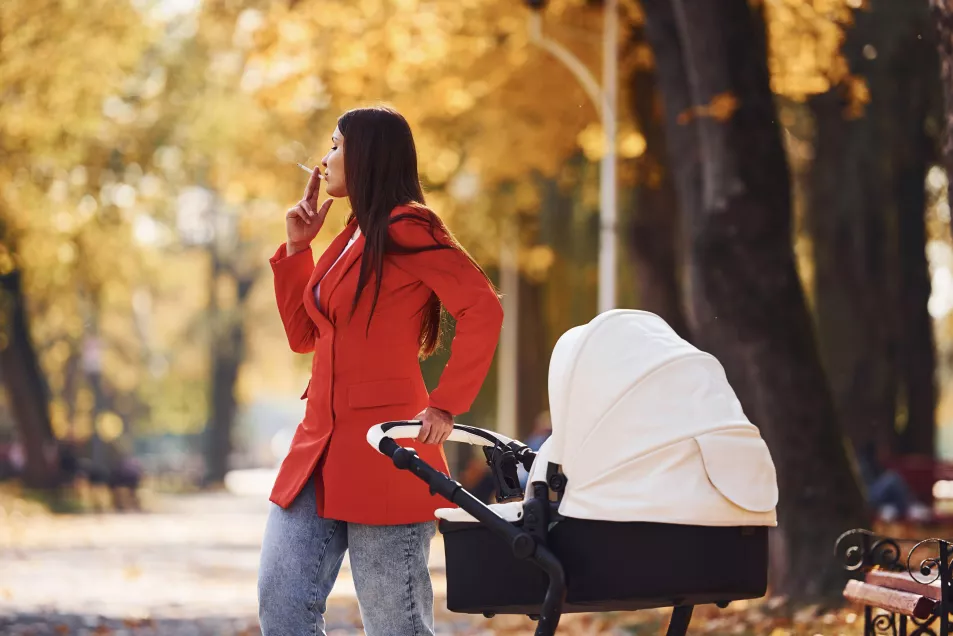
[403, 429]
[523, 545]
[460, 433]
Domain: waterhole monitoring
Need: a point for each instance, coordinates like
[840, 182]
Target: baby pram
[654, 489]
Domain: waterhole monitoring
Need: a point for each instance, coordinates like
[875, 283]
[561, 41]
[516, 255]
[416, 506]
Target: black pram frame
[535, 541]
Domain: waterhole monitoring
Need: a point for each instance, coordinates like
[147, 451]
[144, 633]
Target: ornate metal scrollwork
[924, 627]
[931, 568]
[886, 554]
[851, 548]
[860, 549]
[883, 624]
[927, 562]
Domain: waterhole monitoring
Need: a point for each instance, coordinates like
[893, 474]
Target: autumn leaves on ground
[188, 568]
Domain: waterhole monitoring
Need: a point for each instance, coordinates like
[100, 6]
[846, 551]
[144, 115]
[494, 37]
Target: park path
[188, 566]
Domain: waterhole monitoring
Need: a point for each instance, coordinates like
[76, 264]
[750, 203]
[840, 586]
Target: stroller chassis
[527, 543]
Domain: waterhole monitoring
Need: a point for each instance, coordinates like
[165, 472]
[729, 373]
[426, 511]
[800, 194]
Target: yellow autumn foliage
[116, 125]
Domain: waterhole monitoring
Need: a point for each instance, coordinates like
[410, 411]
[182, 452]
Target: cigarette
[310, 171]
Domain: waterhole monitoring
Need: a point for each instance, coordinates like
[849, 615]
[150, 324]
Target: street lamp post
[604, 98]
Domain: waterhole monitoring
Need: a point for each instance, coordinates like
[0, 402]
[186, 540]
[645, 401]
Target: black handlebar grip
[388, 446]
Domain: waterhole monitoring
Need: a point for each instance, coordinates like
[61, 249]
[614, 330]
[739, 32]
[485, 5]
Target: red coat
[360, 378]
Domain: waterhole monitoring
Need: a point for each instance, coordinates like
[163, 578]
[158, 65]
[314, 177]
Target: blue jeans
[301, 555]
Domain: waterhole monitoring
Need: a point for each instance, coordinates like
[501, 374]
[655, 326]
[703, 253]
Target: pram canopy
[647, 428]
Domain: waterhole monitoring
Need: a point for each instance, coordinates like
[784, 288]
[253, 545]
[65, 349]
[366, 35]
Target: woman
[368, 310]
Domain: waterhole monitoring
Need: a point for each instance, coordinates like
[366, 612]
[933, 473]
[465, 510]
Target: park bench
[904, 592]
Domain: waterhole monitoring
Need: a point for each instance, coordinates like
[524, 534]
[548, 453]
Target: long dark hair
[380, 169]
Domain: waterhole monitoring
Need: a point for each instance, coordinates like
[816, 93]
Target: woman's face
[333, 163]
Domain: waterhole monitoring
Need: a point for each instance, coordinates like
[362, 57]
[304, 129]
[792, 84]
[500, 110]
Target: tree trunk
[914, 69]
[748, 305]
[942, 11]
[866, 222]
[533, 362]
[227, 354]
[654, 234]
[26, 388]
[566, 301]
[916, 347]
[854, 269]
[93, 346]
[225, 366]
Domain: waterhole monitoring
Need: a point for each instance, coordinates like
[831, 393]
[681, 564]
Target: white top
[317, 288]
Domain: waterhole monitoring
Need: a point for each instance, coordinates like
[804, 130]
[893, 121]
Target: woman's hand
[437, 426]
[304, 220]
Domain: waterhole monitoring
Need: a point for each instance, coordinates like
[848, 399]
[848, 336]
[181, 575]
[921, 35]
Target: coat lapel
[321, 270]
[334, 277]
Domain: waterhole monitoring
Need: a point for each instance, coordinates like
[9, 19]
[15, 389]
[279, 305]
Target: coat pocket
[368, 395]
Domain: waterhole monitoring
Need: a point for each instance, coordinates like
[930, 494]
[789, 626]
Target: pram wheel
[489, 615]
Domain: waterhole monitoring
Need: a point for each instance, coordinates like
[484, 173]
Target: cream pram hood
[646, 428]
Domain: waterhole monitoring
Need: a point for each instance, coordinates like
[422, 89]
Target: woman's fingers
[436, 426]
[435, 431]
[306, 212]
[299, 212]
[445, 434]
[323, 210]
[313, 193]
[424, 431]
[313, 184]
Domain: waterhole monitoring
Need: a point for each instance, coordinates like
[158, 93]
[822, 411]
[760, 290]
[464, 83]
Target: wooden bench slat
[902, 581]
[915, 605]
